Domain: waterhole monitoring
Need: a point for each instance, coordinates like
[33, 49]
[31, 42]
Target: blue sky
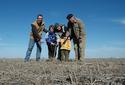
[104, 22]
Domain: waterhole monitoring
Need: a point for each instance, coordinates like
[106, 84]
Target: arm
[48, 40]
[53, 39]
[81, 29]
[45, 30]
[43, 27]
[69, 28]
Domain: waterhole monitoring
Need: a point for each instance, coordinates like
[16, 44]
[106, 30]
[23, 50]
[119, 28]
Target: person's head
[51, 28]
[58, 27]
[39, 18]
[71, 18]
[67, 33]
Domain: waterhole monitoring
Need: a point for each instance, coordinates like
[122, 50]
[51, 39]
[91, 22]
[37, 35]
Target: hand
[39, 38]
[52, 43]
[80, 40]
[80, 37]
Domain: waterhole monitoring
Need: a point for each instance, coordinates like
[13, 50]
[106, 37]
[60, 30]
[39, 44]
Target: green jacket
[77, 29]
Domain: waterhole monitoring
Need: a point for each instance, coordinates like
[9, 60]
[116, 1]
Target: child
[65, 46]
[59, 29]
[51, 42]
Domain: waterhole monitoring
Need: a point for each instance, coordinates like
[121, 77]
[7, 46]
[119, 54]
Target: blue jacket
[51, 38]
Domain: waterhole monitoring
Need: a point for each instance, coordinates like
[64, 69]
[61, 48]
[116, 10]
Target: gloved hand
[80, 40]
[52, 43]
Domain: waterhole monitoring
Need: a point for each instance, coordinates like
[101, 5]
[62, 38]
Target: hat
[69, 16]
[56, 25]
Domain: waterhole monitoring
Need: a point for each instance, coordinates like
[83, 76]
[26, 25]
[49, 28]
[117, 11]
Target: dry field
[91, 72]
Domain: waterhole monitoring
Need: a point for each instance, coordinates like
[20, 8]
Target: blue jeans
[30, 48]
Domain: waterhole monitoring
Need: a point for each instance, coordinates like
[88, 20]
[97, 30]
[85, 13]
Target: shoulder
[34, 23]
[43, 23]
[79, 21]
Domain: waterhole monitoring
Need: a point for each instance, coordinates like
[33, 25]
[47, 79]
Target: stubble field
[90, 72]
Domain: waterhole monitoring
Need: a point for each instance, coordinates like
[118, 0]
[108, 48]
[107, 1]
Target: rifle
[65, 40]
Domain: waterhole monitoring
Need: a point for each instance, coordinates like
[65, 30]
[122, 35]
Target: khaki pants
[79, 48]
[65, 55]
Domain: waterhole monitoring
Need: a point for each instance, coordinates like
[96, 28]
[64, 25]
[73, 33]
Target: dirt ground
[91, 72]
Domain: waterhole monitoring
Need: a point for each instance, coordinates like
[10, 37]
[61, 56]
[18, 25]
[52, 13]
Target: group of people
[58, 36]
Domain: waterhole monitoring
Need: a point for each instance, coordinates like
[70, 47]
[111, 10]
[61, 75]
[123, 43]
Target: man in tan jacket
[77, 33]
[38, 26]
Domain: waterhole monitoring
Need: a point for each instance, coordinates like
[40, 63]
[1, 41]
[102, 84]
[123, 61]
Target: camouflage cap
[69, 16]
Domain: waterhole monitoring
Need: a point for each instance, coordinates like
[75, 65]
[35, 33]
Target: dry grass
[91, 72]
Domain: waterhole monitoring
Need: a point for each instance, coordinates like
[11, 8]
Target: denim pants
[32, 42]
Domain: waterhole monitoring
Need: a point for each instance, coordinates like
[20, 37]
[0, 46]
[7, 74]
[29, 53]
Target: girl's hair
[51, 26]
[64, 34]
[56, 26]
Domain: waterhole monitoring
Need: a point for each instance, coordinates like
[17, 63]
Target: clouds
[119, 21]
[122, 21]
[109, 49]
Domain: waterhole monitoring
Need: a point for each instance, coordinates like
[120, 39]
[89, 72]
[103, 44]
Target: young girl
[65, 46]
[59, 29]
[51, 42]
